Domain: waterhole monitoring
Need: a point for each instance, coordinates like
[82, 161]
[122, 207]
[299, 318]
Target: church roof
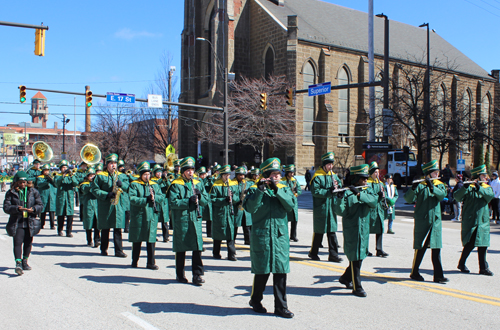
[39, 95]
[337, 26]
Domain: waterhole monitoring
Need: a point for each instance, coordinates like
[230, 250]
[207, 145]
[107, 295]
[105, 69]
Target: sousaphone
[90, 154]
[42, 151]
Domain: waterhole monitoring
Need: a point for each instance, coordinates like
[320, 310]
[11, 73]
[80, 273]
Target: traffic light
[40, 42]
[88, 99]
[289, 97]
[22, 94]
[263, 101]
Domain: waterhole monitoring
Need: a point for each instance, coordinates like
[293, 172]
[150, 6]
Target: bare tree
[344, 159]
[248, 123]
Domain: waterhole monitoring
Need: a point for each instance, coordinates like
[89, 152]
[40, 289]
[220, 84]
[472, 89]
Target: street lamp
[385, 78]
[226, 115]
[427, 98]
[65, 121]
[170, 74]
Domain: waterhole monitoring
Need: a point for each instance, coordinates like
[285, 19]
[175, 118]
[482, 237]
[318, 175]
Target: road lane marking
[137, 320]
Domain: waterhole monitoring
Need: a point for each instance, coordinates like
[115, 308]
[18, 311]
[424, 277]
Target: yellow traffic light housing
[263, 101]
[88, 99]
[289, 97]
[40, 42]
[22, 94]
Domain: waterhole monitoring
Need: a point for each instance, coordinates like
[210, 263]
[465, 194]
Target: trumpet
[423, 180]
[347, 188]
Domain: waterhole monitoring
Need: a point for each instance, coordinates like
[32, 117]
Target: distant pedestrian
[495, 202]
[446, 175]
[457, 206]
[308, 177]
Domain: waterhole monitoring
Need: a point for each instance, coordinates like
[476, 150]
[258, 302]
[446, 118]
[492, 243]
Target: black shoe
[382, 254]
[246, 243]
[89, 243]
[217, 256]
[19, 268]
[181, 279]
[233, 258]
[369, 254]
[52, 227]
[153, 267]
[125, 230]
[198, 280]
[203, 250]
[335, 259]
[257, 307]
[104, 253]
[165, 240]
[69, 235]
[97, 244]
[348, 284]
[134, 265]
[27, 267]
[60, 233]
[120, 254]
[441, 280]
[321, 245]
[313, 256]
[417, 277]
[294, 239]
[464, 269]
[486, 272]
[283, 312]
[359, 292]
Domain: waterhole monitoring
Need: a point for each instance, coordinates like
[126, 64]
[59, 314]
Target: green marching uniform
[145, 201]
[242, 217]
[428, 227]
[183, 194]
[65, 199]
[475, 220]
[124, 197]
[206, 211]
[324, 217]
[377, 215]
[47, 189]
[162, 206]
[33, 172]
[106, 187]
[294, 186]
[224, 195]
[355, 207]
[88, 209]
[269, 204]
[391, 196]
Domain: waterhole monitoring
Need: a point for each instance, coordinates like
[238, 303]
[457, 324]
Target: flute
[471, 182]
[423, 180]
[347, 188]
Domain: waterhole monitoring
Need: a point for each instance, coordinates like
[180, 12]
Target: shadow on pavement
[189, 308]
[3, 271]
[90, 265]
[118, 279]
[66, 253]
[220, 269]
[297, 290]
[385, 270]
[42, 245]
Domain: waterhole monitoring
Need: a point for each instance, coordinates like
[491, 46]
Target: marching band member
[293, 184]
[475, 219]
[47, 189]
[242, 217]
[145, 200]
[88, 207]
[377, 215]
[269, 201]
[107, 187]
[427, 232]
[223, 195]
[65, 182]
[355, 206]
[254, 174]
[34, 171]
[206, 211]
[323, 183]
[163, 205]
[124, 197]
[184, 195]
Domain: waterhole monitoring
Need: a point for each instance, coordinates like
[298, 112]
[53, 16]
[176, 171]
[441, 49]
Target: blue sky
[115, 46]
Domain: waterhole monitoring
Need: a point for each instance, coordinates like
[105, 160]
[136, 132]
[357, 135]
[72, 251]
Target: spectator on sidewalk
[308, 177]
[457, 206]
[495, 203]
[446, 175]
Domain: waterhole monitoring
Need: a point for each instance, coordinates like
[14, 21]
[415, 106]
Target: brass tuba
[169, 164]
[90, 154]
[42, 151]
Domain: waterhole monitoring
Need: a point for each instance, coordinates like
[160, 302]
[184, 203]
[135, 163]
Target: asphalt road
[72, 286]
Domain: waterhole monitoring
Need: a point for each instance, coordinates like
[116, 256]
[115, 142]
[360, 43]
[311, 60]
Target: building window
[485, 114]
[343, 107]
[441, 108]
[379, 109]
[269, 63]
[309, 104]
[467, 123]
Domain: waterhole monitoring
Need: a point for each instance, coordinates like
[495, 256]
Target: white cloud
[128, 34]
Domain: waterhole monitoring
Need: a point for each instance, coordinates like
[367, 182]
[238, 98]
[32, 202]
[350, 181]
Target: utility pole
[371, 73]
[170, 74]
[65, 121]
[87, 112]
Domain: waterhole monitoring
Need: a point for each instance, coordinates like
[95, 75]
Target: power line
[489, 4]
[482, 8]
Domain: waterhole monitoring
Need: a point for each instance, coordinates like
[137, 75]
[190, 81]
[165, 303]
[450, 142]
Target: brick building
[310, 42]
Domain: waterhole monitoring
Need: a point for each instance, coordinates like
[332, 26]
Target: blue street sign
[120, 97]
[460, 165]
[320, 89]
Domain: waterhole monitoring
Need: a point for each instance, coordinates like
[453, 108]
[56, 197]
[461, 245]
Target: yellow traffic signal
[289, 97]
[22, 94]
[40, 42]
[88, 99]
[263, 101]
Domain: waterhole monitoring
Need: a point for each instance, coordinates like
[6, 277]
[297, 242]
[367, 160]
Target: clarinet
[381, 185]
[152, 193]
[230, 195]
[197, 201]
[334, 182]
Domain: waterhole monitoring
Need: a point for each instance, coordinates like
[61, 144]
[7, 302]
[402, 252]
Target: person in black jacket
[23, 204]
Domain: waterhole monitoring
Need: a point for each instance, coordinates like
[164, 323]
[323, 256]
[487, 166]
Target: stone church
[310, 42]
